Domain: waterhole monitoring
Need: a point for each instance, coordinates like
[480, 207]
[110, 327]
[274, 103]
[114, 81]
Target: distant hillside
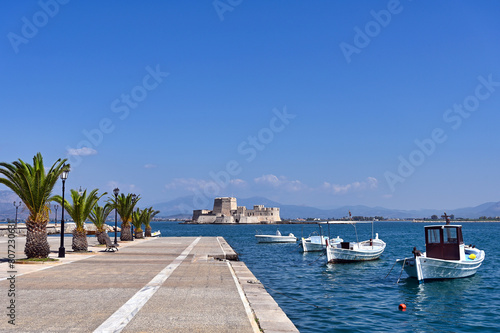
[179, 206]
[7, 209]
[182, 208]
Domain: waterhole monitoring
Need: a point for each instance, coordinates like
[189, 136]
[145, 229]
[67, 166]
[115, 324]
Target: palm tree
[98, 216]
[34, 185]
[80, 212]
[124, 205]
[137, 221]
[150, 213]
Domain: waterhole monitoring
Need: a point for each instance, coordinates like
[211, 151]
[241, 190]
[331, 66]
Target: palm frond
[81, 207]
[124, 205]
[32, 183]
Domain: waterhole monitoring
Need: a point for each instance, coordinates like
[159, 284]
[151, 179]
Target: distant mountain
[7, 209]
[182, 208]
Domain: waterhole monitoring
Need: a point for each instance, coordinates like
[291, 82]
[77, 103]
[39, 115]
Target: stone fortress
[226, 211]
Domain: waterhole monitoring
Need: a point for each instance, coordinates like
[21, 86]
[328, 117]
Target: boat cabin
[444, 242]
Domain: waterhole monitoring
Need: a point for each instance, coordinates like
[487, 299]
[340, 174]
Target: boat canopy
[443, 241]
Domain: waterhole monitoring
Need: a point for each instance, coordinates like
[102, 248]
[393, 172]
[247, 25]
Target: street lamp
[115, 192]
[131, 225]
[17, 206]
[56, 207]
[62, 250]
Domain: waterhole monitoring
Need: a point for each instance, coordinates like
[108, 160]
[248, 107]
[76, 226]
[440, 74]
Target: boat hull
[313, 244]
[355, 254]
[423, 268]
[275, 239]
[308, 246]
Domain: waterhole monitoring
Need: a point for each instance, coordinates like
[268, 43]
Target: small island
[226, 211]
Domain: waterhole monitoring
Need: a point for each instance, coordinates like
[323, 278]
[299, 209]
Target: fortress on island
[226, 211]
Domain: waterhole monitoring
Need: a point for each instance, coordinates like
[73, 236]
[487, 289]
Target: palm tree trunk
[79, 243]
[106, 236]
[147, 232]
[101, 237]
[37, 245]
[139, 233]
[125, 234]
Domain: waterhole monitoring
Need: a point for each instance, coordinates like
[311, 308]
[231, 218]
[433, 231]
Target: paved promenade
[168, 284]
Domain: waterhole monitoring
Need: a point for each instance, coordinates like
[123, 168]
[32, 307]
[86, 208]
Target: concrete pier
[168, 284]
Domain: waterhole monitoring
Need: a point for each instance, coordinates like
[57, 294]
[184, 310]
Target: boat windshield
[450, 236]
[433, 236]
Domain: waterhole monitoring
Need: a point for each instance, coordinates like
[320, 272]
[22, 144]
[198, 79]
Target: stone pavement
[168, 284]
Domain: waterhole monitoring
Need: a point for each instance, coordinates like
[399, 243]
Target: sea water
[364, 297]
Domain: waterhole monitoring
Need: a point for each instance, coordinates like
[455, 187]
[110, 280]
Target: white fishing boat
[354, 251]
[313, 243]
[277, 238]
[445, 257]
[316, 243]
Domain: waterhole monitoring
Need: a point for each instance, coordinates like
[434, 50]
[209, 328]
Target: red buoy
[402, 307]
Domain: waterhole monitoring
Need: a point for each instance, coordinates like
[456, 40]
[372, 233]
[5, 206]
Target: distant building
[227, 211]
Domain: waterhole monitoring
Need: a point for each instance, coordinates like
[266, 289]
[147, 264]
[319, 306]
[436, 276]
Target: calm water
[320, 297]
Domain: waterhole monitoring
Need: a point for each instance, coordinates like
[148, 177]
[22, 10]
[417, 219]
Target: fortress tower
[224, 206]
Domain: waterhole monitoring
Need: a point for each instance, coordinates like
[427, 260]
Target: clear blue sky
[304, 102]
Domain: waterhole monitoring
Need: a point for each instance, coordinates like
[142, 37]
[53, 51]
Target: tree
[98, 216]
[137, 220]
[150, 213]
[434, 217]
[80, 212]
[124, 205]
[34, 185]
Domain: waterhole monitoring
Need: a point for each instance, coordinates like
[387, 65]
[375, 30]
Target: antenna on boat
[446, 217]
[354, 225]
[372, 229]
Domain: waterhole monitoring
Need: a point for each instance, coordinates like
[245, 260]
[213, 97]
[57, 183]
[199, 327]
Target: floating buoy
[402, 307]
[472, 256]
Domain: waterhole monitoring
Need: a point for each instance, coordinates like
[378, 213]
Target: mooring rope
[402, 267]
[391, 269]
[319, 257]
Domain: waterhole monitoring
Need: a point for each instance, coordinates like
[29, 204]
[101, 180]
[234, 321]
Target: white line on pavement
[118, 320]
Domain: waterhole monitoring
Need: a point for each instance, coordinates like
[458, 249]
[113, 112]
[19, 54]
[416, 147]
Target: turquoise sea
[320, 297]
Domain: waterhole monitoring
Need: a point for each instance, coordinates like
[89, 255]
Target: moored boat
[446, 255]
[371, 249]
[317, 243]
[277, 238]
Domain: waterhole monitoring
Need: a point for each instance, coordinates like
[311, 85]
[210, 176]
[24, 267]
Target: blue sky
[320, 103]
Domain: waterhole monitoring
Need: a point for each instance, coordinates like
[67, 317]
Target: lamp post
[131, 225]
[115, 192]
[17, 207]
[62, 250]
[56, 207]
